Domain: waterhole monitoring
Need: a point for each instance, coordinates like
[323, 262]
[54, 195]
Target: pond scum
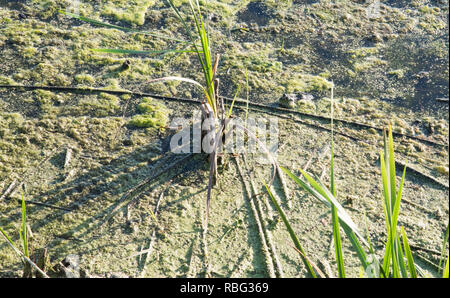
[88, 91]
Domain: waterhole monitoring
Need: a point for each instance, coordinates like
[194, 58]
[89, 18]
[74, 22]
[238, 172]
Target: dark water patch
[399, 3]
[12, 4]
[305, 1]
[255, 12]
[425, 62]
[292, 41]
[16, 102]
[409, 3]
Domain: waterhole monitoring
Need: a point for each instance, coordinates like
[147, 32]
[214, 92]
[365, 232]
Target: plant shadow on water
[107, 189]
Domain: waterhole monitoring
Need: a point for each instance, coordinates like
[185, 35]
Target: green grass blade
[206, 59]
[387, 255]
[356, 244]
[232, 103]
[445, 273]
[137, 52]
[343, 215]
[186, 80]
[401, 257]
[397, 202]
[346, 223]
[334, 213]
[323, 195]
[372, 251]
[306, 187]
[291, 232]
[397, 254]
[8, 238]
[394, 258]
[188, 31]
[24, 229]
[332, 185]
[104, 24]
[337, 243]
[392, 167]
[385, 179]
[386, 196]
[409, 257]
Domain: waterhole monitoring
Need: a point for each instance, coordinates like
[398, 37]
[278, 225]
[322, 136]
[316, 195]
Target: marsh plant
[23, 253]
[216, 120]
[397, 261]
[236, 141]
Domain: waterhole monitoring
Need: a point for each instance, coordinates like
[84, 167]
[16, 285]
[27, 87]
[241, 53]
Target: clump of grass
[24, 253]
[398, 260]
[199, 43]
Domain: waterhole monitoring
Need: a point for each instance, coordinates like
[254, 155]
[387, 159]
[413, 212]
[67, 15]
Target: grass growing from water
[398, 260]
[24, 253]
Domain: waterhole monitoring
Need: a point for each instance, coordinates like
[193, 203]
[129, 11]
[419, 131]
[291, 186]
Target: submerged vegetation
[94, 160]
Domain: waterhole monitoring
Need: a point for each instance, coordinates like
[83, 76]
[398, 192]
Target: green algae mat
[103, 187]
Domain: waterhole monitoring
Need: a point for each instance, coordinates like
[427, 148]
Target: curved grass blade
[21, 254]
[345, 221]
[409, 257]
[232, 103]
[186, 80]
[137, 52]
[8, 239]
[400, 257]
[343, 215]
[206, 60]
[356, 244]
[319, 272]
[291, 232]
[104, 24]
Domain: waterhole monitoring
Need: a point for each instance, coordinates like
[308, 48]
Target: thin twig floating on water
[226, 99]
[9, 189]
[147, 252]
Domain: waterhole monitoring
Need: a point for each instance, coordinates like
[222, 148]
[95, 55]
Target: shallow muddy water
[94, 165]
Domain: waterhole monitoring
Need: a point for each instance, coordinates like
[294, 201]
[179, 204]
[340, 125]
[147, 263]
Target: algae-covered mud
[102, 186]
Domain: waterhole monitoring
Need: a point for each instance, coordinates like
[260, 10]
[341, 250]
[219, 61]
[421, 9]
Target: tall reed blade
[337, 243]
[445, 273]
[137, 52]
[409, 257]
[104, 24]
[391, 202]
[291, 232]
[24, 234]
[325, 197]
[334, 215]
